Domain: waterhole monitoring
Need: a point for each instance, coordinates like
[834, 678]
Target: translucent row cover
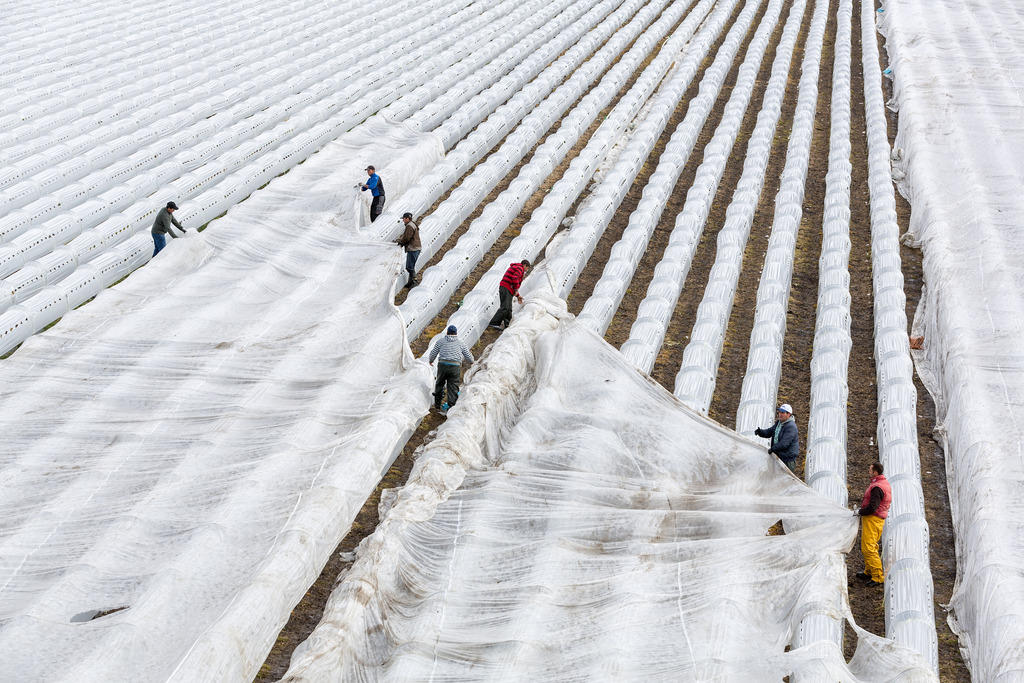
[764, 360]
[909, 599]
[825, 463]
[181, 456]
[214, 187]
[546, 534]
[695, 381]
[629, 249]
[647, 333]
[479, 304]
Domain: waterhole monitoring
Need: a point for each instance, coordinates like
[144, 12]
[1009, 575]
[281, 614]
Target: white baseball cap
[786, 408]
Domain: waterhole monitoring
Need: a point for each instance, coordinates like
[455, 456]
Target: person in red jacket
[509, 288]
[874, 508]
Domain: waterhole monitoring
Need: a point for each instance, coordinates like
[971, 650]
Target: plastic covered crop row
[909, 603]
[481, 301]
[655, 311]
[825, 464]
[484, 137]
[695, 381]
[626, 253]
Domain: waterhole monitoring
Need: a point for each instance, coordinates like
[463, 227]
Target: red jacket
[513, 277]
[881, 507]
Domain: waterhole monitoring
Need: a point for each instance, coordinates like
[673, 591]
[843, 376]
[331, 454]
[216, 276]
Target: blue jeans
[410, 261]
[159, 242]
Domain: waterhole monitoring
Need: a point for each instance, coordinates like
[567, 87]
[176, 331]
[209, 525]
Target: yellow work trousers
[870, 538]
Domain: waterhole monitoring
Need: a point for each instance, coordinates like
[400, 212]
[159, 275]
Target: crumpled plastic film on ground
[956, 72]
[573, 521]
[186, 451]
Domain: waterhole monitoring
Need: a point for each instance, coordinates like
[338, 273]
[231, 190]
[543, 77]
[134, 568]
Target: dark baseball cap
[407, 215]
[172, 205]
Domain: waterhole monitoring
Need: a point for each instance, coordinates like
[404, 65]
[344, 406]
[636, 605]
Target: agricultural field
[220, 462]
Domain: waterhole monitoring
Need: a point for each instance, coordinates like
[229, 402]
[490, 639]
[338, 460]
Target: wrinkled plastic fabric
[956, 72]
[76, 203]
[186, 451]
[573, 521]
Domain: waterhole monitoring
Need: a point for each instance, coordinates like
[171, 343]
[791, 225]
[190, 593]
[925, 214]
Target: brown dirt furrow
[595, 265]
[622, 321]
[419, 345]
[866, 602]
[678, 334]
[800, 317]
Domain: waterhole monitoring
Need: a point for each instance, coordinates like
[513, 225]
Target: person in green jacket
[162, 226]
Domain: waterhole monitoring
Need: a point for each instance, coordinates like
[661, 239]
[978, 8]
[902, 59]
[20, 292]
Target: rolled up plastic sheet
[547, 534]
[260, 384]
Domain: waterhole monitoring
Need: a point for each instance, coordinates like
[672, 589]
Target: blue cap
[452, 329]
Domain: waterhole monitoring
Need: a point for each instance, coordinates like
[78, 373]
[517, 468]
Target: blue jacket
[375, 185]
[785, 439]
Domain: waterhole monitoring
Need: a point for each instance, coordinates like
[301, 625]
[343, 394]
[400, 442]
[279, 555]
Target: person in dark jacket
[162, 226]
[508, 288]
[376, 187]
[410, 240]
[452, 352]
[874, 508]
[785, 438]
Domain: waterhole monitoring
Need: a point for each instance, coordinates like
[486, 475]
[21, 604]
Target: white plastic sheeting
[956, 73]
[626, 253]
[695, 381]
[527, 102]
[193, 445]
[460, 31]
[440, 280]
[546, 534]
[825, 463]
[655, 311]
[909, 603]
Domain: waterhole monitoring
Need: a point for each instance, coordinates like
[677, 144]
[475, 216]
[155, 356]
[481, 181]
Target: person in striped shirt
[508, 288]
[452, 352]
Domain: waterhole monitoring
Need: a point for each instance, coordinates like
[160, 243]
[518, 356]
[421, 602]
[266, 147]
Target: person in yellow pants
[874, 508]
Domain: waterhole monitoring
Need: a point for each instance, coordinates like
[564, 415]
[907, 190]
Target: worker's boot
[411, 282]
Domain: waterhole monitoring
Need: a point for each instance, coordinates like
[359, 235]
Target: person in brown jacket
[410, 239]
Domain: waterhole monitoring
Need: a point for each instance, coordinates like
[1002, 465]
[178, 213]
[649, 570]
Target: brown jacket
[410, 239]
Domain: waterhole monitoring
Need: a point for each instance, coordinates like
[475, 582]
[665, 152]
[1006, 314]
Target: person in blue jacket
[785, 438]
[376, 187]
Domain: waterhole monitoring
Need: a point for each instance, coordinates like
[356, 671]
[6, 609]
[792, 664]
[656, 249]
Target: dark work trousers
[376, 207]
[410, 264]
[504, 314]
[449, 374]
[159, 242]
